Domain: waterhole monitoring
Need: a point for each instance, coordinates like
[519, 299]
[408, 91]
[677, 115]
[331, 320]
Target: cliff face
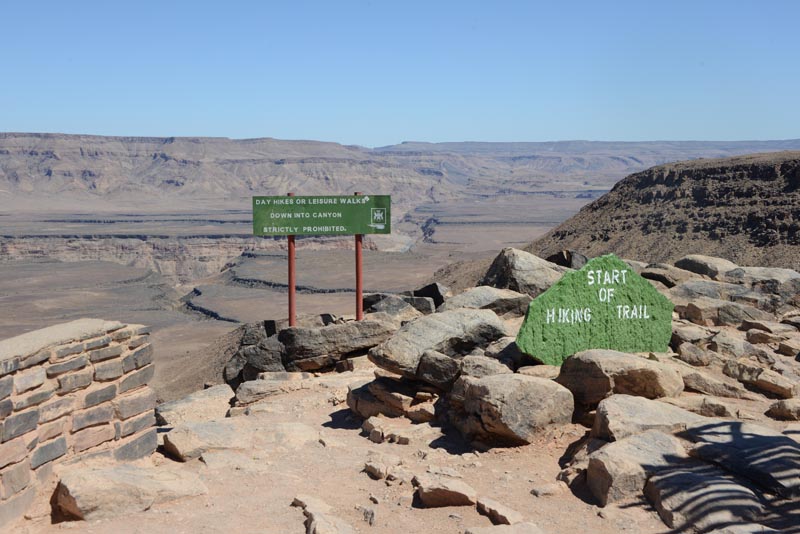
[178, 259]
[746, 209]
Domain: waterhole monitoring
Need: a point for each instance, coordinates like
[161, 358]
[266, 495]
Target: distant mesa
[745, 209]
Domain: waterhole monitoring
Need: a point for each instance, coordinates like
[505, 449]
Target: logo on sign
[378, 218]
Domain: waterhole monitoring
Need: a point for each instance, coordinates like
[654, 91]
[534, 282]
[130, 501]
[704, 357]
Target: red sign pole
[292, 302]
[359, 277]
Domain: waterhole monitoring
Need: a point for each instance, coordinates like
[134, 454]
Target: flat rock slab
[206, 405]
[620, 469]
[700, 498]
[435, 492]
[768, 458]
[451, 332]
[620, 416]
[101, 492]
[190, 440]
[593, 375]
[500, 301]
[518, 528]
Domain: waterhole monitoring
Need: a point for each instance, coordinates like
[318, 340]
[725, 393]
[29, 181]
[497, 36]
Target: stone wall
[69, 391]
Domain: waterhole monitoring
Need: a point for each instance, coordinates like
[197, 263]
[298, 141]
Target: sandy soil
[258, 500]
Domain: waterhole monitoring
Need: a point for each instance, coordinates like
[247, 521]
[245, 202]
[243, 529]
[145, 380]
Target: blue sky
[376, 73]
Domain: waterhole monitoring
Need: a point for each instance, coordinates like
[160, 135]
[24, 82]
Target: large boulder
[512, 407]
[523, 272]
[701, 497]
[593, 375]
[706, 265]
[92, 492]
[620, 469]
[310, 349]
[620, 416]
[500, 301]
[206, 405]
[453, 333]
[768, 458]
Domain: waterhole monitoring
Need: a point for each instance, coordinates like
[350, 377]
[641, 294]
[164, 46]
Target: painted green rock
[605, 305]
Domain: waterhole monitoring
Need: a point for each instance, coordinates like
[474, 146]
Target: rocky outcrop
[452, 333]
[593, 375]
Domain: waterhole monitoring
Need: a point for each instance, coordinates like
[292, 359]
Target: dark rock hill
[745, 209]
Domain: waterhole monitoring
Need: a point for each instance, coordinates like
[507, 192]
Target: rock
[568, 258]
[518, 528]
[702, 405]
[693, 355]
[768, 458]
[267, 355]
[513, 407]
[701, 382]
[393, 305]
[748, 372]
[730, 345]
[620, 469]
[256, 390]
[309, 349]
[451, 332]
[206, 405]
[436, 492]
[506, 351]
[744, 528]
[318, 517]
[706, 265]
[592, 375]
[761, 337]
[497, 513]
[709, 312]
[500, 301]
[790, 347]
[700, 498]
[552, 488]
[362, 402]
[400, 431]
[480, 366]
[550, 372]
[668, 275]
[620, 416]
[769, 280]
[574, 314]
[93, 492]
[435, 291]
[522, 272]
[190, 440]
[785, 410]
[689, 333]
[438, 369]
[773, 327]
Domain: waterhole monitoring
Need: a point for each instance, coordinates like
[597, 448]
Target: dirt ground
[257, 500]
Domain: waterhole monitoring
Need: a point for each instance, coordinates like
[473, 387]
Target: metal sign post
[292, 279]
[322, 215]
[359, 277]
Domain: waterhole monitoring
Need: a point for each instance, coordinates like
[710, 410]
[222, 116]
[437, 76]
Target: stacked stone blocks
[69, 391]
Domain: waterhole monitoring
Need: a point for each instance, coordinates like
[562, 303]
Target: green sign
[323, 215]
[604, 305]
